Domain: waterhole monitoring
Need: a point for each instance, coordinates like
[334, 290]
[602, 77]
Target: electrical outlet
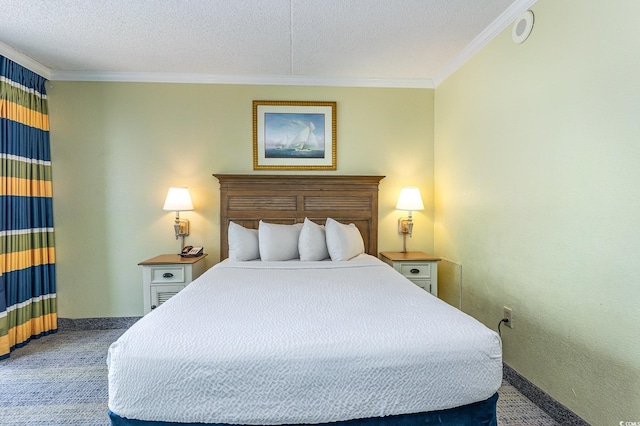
[506, 314]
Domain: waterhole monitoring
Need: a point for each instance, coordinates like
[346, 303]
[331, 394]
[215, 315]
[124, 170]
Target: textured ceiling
[345, 40]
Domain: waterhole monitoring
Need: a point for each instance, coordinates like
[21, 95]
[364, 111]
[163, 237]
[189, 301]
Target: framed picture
[294, 135]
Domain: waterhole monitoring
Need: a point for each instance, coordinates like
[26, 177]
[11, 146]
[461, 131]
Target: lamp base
[403, 225]
[181, 227]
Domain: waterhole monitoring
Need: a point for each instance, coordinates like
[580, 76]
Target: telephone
[191, 251]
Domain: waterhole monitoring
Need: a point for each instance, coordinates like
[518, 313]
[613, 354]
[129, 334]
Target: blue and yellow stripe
[28, 307]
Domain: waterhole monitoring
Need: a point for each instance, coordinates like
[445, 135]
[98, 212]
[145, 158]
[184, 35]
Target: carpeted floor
[64, 377]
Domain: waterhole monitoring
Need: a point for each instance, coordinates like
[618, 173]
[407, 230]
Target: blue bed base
[481, 413]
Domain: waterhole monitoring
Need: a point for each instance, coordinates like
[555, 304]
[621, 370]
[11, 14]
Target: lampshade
[178, 199]
[410, 199]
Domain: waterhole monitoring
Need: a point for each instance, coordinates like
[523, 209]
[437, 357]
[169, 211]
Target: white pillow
[343, 241]
[312, 244]
[243, 243]
[278, 242]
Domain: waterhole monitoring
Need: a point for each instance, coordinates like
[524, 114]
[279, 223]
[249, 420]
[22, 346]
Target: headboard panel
[288, 199]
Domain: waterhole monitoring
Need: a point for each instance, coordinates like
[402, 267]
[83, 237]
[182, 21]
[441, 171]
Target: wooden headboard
[246, 199]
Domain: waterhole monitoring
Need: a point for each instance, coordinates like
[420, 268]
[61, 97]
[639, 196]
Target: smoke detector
[522, 27]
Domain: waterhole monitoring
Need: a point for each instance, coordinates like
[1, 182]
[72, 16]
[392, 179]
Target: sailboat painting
[294, 135]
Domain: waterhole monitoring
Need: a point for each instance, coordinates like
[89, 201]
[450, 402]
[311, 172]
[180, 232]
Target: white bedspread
[300, 342]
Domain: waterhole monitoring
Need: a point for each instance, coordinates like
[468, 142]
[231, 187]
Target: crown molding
[497, 26]
[22, 59]
[160, 77]
[501, 22]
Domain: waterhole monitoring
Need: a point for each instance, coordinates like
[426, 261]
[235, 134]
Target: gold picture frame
[294, 135]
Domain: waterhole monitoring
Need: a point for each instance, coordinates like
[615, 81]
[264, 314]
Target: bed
[273, 342]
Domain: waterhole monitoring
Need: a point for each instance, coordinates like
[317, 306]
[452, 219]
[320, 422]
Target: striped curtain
[27, 255]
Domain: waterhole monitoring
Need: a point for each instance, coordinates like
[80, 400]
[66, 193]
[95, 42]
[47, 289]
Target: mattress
[300, 343]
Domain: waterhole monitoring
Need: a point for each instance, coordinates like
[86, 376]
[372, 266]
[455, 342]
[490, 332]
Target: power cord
[503, 320]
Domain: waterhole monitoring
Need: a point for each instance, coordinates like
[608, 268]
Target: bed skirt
[481, 413]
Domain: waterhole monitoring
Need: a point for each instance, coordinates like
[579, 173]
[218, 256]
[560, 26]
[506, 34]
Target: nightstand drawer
[424, 284]
[162, 293]
[417, 266]
[415, 270]
[167, 274]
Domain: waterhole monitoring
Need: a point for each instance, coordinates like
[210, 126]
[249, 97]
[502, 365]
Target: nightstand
[418, 267]
[165, 275]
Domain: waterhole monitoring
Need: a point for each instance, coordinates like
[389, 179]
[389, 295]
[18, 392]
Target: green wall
[118, 147]
[536, 193]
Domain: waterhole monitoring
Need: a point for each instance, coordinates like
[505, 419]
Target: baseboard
[69, 324]
[553, 408]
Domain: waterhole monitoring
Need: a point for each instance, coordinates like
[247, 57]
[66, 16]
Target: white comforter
[300, 342]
